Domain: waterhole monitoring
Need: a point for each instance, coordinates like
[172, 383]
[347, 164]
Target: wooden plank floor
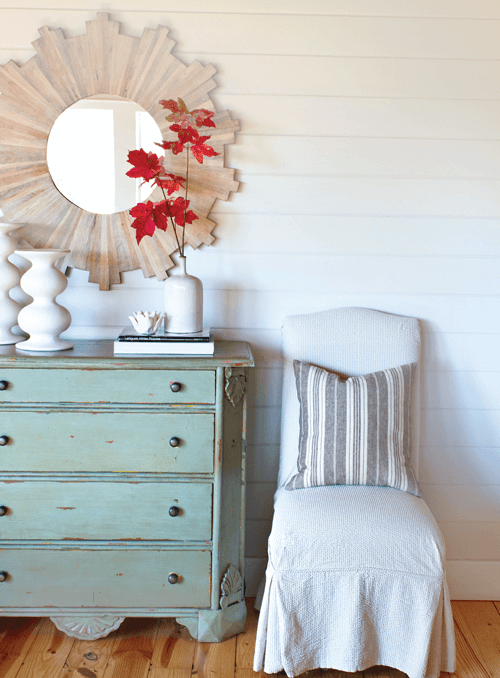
[148, 648]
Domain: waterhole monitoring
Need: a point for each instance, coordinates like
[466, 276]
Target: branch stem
[172, 220]
[186, 196]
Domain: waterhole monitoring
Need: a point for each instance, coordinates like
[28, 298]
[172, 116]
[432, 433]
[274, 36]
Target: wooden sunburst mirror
[101, 62]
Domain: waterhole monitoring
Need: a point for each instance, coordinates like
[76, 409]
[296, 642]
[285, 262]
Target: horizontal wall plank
[233, 33]
[340, 76]
[487, 9]
[473, 580]
[355, 77]
[458, 465]
[260, 500]
[262, 463]
[461, 390]
[264, 387]
[264, 425]
[470, 541]
[467, 503]
[265, 344]
[351, 234]
[346, 274]
[461, 351]
[354, 157]
[235, 309]
[254, 573]
[362, 117]
[364, 196]
[334, 116]
[461, 428]
[256, 536]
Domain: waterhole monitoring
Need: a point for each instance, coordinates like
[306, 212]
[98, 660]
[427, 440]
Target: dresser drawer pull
[173, 578]
[4, 385]
[4, 440]
[174, 442]
[175, 386]
[3, 510]
[3, 575]
[173, 511]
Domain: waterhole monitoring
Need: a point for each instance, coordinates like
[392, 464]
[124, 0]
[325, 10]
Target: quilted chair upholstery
[356, 574]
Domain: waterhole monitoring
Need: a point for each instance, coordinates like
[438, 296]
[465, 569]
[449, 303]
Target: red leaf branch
[148, 166]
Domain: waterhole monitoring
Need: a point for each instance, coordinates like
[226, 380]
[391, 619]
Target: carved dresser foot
[214, 626]
[87, 628]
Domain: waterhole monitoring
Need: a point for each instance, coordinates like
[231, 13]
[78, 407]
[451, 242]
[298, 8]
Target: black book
[129, 334]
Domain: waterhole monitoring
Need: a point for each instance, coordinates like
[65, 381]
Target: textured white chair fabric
[356, 574]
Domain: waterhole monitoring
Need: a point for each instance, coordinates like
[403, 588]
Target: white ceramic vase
[9, 278]
[44, 319]
[183, 302]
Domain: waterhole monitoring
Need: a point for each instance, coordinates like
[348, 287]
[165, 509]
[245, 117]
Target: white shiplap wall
[369, 161]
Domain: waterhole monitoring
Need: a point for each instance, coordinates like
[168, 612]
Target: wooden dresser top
[97, 353]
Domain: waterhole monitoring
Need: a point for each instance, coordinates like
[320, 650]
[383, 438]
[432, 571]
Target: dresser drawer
[121, 578]
[107, 386]
[107, 441]
[136, 510]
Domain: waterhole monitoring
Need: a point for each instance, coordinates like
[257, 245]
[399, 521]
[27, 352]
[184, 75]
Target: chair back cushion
[355, 431]
[349, 342]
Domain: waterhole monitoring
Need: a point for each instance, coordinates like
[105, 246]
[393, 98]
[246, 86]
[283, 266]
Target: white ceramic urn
[44, 319]
[183, 302]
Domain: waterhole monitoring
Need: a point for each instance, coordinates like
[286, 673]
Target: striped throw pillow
[355, 431]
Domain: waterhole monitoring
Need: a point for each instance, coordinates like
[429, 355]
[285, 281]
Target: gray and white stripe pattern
[355, 431]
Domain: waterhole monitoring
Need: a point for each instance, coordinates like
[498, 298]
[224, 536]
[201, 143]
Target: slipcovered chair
[356, 574]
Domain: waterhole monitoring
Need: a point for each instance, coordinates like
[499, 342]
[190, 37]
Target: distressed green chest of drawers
[122, 488]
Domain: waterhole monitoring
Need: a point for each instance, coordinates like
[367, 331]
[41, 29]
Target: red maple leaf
[203, 118]
[145, 165]
[180, 114]
[173, 146]
[186, 135]
[160, 215]
[200, 149]
[180, 212]
[143, 223]
[171, 105]
[171, 184]
[147, 217]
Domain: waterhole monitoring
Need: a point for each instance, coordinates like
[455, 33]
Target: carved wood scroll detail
[87, 628]
[231, 587]
[235, 386]
[102, 62]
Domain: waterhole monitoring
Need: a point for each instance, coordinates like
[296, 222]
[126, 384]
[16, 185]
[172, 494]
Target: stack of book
[130, 342]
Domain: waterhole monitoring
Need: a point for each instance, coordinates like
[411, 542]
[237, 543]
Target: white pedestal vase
[183, 302]
[9, 278]
[44, 319]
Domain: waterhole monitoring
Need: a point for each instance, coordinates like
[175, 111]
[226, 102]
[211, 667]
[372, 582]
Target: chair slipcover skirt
[356, 574]
[355, 579]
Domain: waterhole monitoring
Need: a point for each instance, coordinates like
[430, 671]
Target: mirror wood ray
[102, 62]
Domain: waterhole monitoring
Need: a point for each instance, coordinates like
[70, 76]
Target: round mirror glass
[87, 153]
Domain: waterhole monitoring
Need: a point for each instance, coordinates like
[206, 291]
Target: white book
[199, 348]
